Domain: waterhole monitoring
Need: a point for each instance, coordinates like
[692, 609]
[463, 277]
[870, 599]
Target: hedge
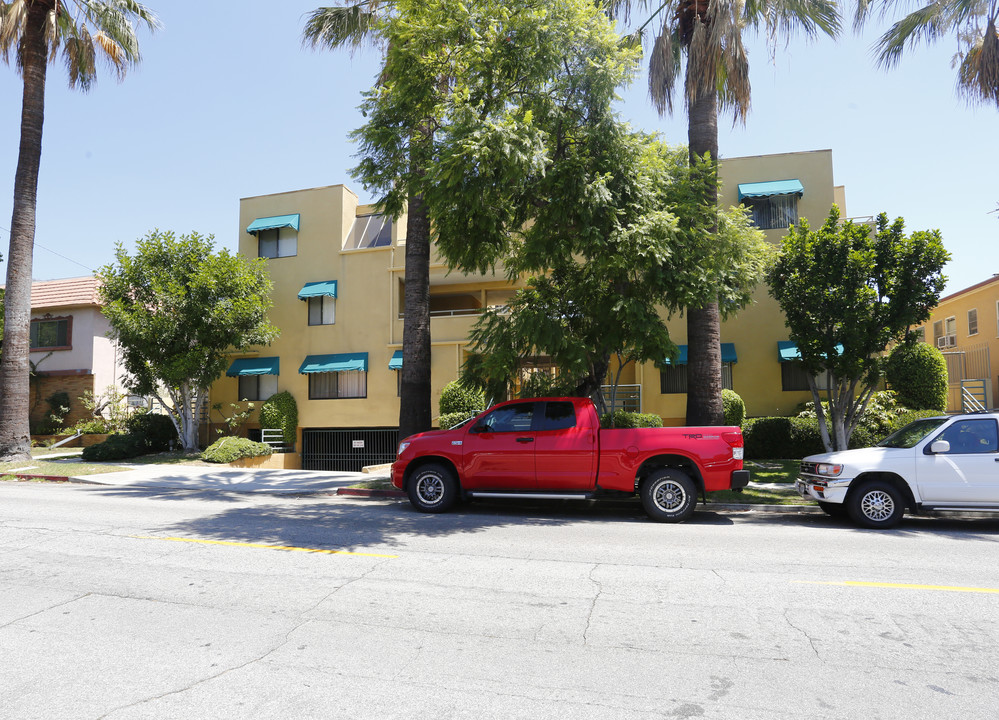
[449, 420]
[796, 437]
[117, 447]
[230, 449]
[456, 398]
[917, 372]
[280, 411]
[624, 419]
[734, 407]
[156, 430]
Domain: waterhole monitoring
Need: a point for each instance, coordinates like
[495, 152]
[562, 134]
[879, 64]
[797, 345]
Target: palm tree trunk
[15, 435]
[704, 380]
[414, 407]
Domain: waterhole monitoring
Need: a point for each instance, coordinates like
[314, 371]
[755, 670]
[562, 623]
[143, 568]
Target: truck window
[559, 416]
[510, 418]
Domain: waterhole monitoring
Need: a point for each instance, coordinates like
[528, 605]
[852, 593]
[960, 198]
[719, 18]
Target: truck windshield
[912, 433]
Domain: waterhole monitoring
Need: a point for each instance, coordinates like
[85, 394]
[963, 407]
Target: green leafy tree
[35, 33]
[352, 25]
[847, 293]
[178, 310]
[698, 54]
[970, 23]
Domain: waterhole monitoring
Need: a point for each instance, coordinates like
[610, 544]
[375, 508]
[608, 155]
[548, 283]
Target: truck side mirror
[940, 446]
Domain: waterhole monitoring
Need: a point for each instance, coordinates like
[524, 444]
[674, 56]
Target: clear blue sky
[229, 104]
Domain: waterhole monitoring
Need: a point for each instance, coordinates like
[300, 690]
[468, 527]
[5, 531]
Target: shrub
[281, 411]
[624, 419]
[451, 419]
[230, 449]
[156, 430]
[93, 426]
[117, 447]
[735, 408]
[918, 373]
[456, 398]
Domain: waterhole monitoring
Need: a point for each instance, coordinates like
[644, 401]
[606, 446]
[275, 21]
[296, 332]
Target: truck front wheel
[669, 496]
[433, 489]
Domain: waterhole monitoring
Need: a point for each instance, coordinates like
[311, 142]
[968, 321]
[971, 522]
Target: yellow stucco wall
[368, 312]
[370, 290]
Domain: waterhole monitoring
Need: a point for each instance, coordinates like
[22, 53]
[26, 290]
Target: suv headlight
[828, 469]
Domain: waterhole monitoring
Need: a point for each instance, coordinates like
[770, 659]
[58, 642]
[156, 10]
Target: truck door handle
[525, 440]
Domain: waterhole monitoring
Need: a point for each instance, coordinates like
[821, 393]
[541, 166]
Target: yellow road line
[262, 546]
[902, 586]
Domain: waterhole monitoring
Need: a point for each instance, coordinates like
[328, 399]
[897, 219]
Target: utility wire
[38, 244]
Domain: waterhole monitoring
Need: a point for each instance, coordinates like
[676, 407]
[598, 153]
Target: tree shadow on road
[354, 525]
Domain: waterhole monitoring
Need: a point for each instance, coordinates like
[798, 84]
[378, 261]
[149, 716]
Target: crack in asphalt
[44, 610]
[593, 604]
[811, 640]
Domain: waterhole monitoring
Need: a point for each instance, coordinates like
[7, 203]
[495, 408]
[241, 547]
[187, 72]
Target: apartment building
[338, 269]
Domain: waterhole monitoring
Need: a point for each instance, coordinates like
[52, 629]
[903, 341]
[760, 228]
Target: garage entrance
[347, 450]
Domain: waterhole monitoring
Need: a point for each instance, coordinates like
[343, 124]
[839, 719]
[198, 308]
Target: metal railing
[275, 438]
[627, 398]
[974, 395]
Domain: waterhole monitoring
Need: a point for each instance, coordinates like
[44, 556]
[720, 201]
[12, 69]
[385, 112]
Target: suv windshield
[912, 433]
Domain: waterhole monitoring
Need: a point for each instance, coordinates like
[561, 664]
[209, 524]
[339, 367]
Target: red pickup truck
[554, 448]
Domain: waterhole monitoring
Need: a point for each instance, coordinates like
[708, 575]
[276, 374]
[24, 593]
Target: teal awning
[317, 289]
[343, 362]
[727, 354]
[254, 366]
[767, 189]
[787, 351]
[396, 362]
[271, 223]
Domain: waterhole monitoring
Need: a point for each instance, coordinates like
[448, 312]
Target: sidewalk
[228, 479]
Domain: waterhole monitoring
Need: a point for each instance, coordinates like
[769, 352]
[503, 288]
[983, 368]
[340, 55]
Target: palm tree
[36, 31]
[708, 35]
[351, 26]
[972, 22]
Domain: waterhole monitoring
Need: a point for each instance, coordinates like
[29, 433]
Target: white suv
[938, 463]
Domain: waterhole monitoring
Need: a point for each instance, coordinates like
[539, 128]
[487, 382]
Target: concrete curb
[29, 476]
[368, 493]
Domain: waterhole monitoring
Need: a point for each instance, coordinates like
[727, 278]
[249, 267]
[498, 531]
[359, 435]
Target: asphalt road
[138, 603]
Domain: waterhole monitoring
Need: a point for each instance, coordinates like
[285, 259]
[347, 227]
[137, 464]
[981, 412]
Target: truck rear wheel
[669, 496]
[878, 505]
[433, 489]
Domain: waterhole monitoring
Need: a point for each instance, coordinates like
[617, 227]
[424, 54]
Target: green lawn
[772, 471]
[55, 467]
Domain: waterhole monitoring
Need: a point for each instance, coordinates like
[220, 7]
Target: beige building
[965, 327]
[70, 348]
[338, 273]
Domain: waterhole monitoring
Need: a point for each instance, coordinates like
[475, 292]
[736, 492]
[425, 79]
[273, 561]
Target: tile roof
[71, 292]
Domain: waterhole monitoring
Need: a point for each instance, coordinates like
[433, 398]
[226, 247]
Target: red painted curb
[53, 478]
[364, 492]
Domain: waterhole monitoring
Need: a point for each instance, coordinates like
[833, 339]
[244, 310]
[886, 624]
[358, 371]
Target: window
[559, 416]
[673, 378]
[322, 310]
[369, 231]
[973, 322]
[794, 378]
[335, 385]
[510, 418]
[971, 436]
[51, 334]
[257, 387]
[775, 212]
[277, 243]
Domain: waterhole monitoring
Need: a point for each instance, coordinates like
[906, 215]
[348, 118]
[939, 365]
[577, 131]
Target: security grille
[348, 450]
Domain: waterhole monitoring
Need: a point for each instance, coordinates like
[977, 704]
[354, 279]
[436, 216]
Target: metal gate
[348, 450]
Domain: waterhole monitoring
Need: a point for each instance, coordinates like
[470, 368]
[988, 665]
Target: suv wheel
[877, 505]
